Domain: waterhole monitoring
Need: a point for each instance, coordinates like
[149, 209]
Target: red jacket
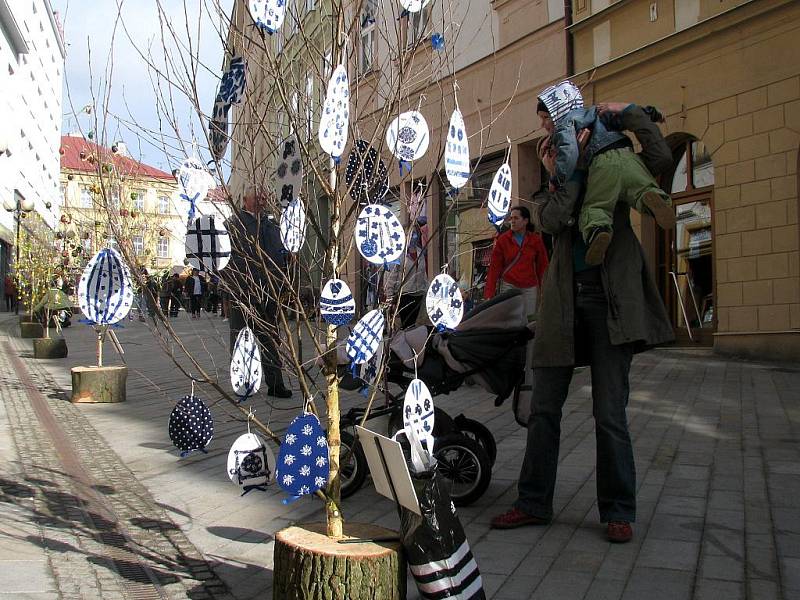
[527, 271]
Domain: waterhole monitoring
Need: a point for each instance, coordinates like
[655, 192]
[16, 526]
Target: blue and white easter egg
[268, 14]
[251, 463]
[456, 152]
[379, 236]
[408, 136]
[336, 304]
[413, 6]
[194, 180]
[245, 364]
[191, 426]
[366, 174]
[208, 246]
[289, 174]
[444, 302]
[293, 225]
[335, 114]
[366, 337]
[302, 466]
[218, 130]
[231, 88]
[368, 372]
[500, 194]
[418, 413]
[105, 292]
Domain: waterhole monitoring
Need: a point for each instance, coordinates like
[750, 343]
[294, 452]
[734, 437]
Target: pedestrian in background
[176, 293]
[195, 288]
[10, 292]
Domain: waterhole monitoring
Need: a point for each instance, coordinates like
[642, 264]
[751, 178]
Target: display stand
[389, 469]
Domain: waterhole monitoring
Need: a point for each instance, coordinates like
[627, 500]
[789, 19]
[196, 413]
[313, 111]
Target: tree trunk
[311, 566]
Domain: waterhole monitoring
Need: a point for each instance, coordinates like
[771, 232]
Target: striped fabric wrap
[454, 577]
[105, 293]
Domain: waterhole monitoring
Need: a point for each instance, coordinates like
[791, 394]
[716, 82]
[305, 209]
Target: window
[137, 242]
[138, 200]
[163, 247]
[367, 54]
[111, 243]
[163, 205]
[417, 26]
[87, 201]
[113, 201]
[695, 159]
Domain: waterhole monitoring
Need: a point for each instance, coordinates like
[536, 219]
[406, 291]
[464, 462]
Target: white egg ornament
[251, 464]
[379, 236]
[208, 246]
[335, 114]
[366, 337]
[289, 174]
[105, 292]
[500, 195]
[413, 6]
[293, 225]
[456, 152]
[408, 136]
[245, 365]
[302, 466]
[418, 413]
[194, 180]
[336, 303]
[444, 302]
[268, 14]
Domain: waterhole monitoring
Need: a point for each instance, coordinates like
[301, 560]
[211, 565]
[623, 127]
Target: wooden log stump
[31, 330]
[49, 348]
[311, 566]
[99, 384]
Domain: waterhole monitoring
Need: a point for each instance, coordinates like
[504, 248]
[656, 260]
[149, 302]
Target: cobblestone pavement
[716, 446]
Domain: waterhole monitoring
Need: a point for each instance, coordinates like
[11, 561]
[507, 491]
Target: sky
[92, 41]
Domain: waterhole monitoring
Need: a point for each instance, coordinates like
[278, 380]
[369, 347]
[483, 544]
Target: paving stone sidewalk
[716, 447]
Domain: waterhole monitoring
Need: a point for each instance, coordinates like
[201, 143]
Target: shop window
[695, 168]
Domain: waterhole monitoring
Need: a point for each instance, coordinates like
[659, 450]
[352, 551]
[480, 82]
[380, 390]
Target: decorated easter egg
[293, 225]
[245, 365]
[194, 181]
[208, 246]
[218, 130]
[191, 425]
[456, 152]
[268, 14]
[365, 337]
[336, 304]
[335, 114]
[289, 174]
[231, 88]
[413, 6]
[418, 414]
[500, 194]
[444, 303]
[251, 464]
[379, 236]
[105, 292]
[366, 174]
[408, 136]
[302, 465]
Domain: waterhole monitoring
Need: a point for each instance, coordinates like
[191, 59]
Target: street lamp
[19, 206]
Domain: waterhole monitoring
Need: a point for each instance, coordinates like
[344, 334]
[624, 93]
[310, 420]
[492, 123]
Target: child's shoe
[661, 211]
[598, 241]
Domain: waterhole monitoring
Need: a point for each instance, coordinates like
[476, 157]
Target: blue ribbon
[336, 159]
[453, 192]
[404, 164]
[290, 499]
[186, 453]
[192, 203]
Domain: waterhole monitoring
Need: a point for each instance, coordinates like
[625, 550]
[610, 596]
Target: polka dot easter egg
[366, 174]
[500, 194]
[456, 152]
[302, 465]
[268, 14]
[365, 338]
[336, 304]
[191, 426]
[293, 225]
[245, 365]
[208, 246]
[335, 114]
[408, 136]
[251, 464]
[379, 236]
[444, 303]
[105, 292]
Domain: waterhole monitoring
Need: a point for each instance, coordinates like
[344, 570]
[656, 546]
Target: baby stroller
[488, 347]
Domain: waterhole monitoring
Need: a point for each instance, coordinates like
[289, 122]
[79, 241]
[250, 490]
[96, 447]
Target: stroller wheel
[478, 432]
[353, 467]
[464, 466]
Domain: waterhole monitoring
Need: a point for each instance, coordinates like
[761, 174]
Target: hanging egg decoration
[231, 88]
[413, 6]
[293, 225]
[245, 365]
[191, 426]
[444, 303]
[408, 136]
[366, 174]
[105, 293]
[218, 130]
[302, 465]
[208, 246]
[418, 413]
[268, 14]
[499, 199]
[379, 236]
[194, 181]
[251, 463]
[289, 174]
[336, 304]
[456, 152]
[366, 336]
[335, 114]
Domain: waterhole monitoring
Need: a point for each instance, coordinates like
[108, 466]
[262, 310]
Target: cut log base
[99, 384]
[311, 566]
[31, 330]
[49, 348]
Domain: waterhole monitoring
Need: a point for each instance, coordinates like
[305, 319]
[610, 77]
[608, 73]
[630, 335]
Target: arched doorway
[686, 253]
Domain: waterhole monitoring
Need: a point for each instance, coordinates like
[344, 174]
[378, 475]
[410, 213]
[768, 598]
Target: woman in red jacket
[519, 260]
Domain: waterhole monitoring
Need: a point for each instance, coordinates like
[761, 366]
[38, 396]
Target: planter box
[49, 348]
[99, 384]
[31, 330]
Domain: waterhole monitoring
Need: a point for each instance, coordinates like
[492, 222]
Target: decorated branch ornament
[561, 98]
[289, 174]
[418, 420]
[379, 236]
[293, 225]
[268, 14]
[194, 181]
[499, 199]
[231, 88]
[413, 6]
[365, 338]
[251, 464]
[302, 466]
[105, 293]
[191, 425]
[218, 130]
[208, 246]
[368, 372]
[245, 365]
[408, 137]
[366, 174]
[444, 303]
[336, 304]
[456, 152]
[335, 114]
